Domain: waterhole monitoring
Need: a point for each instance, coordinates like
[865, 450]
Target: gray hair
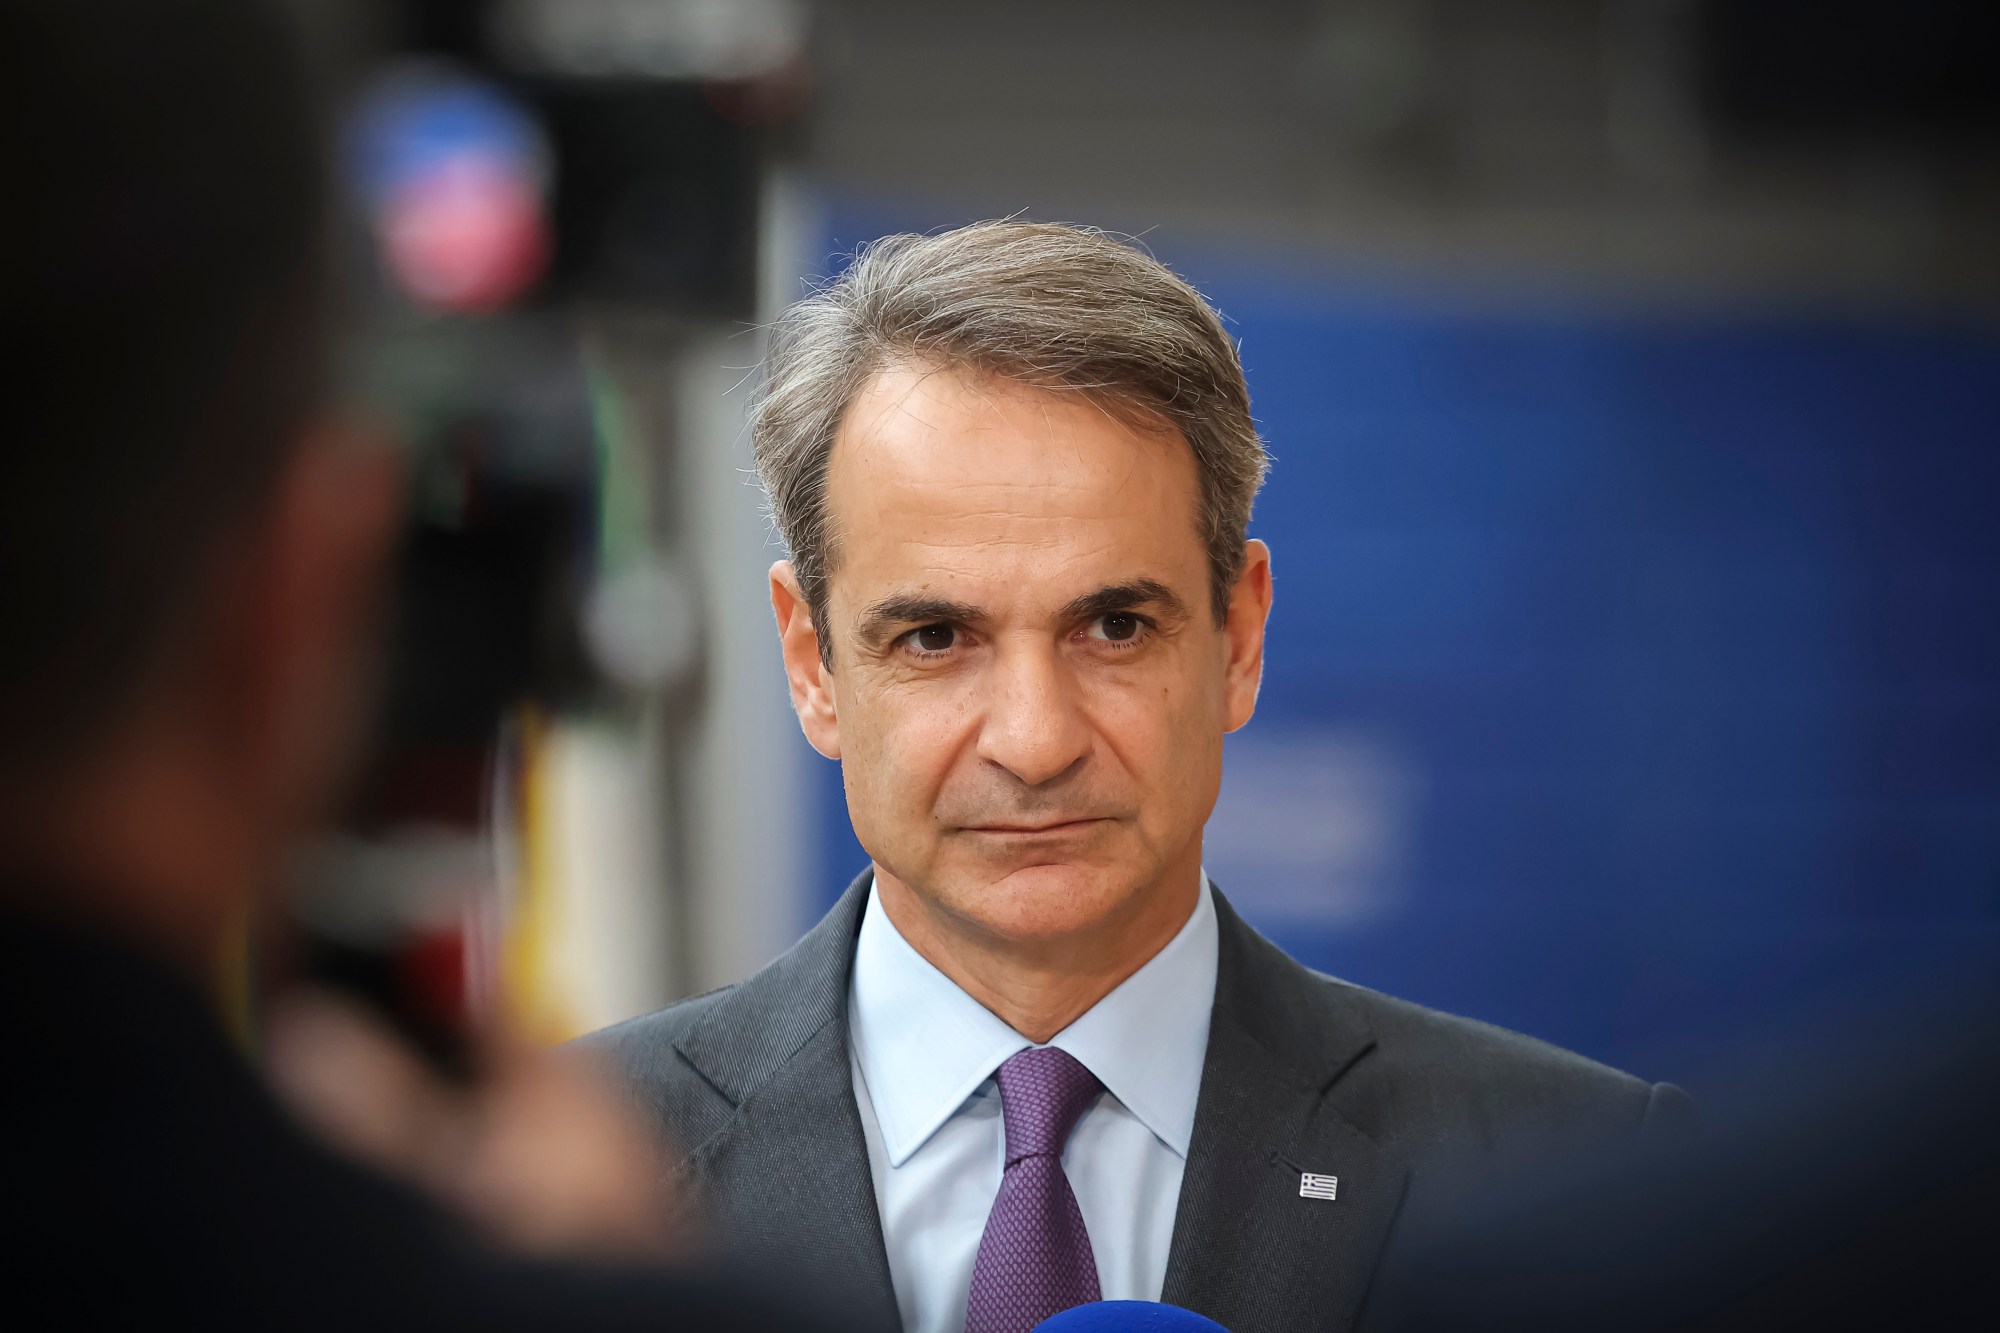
[1055, 306]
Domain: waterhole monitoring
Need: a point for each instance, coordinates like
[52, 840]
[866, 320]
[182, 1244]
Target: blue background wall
[1633, 681]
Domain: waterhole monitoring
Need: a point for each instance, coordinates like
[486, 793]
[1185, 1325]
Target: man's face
[1029, 689]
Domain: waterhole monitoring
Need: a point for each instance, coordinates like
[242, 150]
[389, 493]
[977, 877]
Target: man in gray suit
[1032, 1058]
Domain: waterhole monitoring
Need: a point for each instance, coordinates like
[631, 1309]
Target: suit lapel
[1248, 1250]
[786, 1179]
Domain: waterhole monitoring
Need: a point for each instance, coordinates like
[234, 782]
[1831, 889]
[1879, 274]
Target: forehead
[943, 478]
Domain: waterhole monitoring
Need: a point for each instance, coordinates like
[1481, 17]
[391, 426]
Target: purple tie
[1034, 1259]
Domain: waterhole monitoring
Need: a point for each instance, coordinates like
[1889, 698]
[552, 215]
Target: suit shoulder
[1439, 1081]
[1456, 1048]
[642, 1050]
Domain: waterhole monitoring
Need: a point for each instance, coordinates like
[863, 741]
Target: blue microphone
[1128, 1317]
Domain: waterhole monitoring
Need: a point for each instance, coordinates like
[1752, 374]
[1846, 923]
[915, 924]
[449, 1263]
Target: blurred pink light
[466, 234]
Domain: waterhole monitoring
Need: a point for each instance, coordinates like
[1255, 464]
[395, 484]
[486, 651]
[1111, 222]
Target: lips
[1051, 828]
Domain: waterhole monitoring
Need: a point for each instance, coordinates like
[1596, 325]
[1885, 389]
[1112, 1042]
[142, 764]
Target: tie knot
[1043, 1093]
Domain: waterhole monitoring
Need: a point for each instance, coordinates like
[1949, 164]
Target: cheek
[1166, 732]
[1161, 723]
[903, 745]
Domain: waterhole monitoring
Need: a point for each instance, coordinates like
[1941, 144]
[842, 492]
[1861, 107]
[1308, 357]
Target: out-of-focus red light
[467, 235]
[454, 172]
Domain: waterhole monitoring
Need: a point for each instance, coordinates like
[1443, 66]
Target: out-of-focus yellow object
[582, 931]
[534, 997]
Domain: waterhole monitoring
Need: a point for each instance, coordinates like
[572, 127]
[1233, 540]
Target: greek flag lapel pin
[1312, 1186]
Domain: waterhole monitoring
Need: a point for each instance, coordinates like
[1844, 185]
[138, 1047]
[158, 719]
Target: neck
[1040, 986]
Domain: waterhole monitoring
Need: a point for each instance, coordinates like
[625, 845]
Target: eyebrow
[1124, 597]
[893, 613]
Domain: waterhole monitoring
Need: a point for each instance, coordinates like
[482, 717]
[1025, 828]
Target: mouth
[1052, 829]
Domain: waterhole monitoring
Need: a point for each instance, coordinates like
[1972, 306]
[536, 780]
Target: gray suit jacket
[1303, 1073]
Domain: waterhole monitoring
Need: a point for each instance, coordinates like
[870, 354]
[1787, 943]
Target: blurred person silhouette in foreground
[191, 560]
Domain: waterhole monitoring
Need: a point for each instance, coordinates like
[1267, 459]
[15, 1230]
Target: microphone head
[1128, 1317]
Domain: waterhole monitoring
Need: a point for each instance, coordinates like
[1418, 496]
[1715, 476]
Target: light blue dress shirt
[923, 1054]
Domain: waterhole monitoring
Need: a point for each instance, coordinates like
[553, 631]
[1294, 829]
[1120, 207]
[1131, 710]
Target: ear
[811, 680]
[1249, 608]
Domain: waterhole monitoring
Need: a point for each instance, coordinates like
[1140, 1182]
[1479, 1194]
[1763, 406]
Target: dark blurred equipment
[403, 912]
[1924, 71]
[534, 189]
[526, 169]
[656, 202]
[414, 975]
[654, 122]
[626, 191]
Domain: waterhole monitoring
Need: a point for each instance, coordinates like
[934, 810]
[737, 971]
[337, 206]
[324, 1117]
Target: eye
[933, 639]
[1118, 627]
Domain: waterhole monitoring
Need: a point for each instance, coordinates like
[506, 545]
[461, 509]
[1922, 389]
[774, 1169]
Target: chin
[1045, 902]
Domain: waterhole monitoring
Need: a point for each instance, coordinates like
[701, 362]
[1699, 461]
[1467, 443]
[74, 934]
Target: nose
[1033, 725]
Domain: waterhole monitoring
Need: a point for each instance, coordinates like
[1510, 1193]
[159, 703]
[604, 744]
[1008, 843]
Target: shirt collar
[924, 1046]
